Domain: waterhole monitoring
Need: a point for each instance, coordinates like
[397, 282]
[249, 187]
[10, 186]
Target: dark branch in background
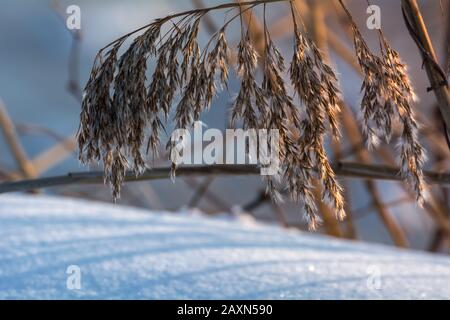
[209, 195]
[207, 21]
[13, 142]
[440, 233]
[342, 169]
[436, 75]
[200, 192]
[73, 84]
[447, 36]
[37, 130]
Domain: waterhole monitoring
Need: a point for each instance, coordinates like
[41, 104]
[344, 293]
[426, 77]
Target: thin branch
[434, 206]
[14, 144]
[210, 196]
[260, 200]
[343, 169]
[54, 155]
[366, 210]
[200, 192]
[73, 84]
[437, 77]
[37, 130]
[330, 223]
[202, 11]
[355, 136]
[97, 177]
[280, 214]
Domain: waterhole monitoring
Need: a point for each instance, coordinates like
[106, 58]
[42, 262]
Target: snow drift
[130, 253]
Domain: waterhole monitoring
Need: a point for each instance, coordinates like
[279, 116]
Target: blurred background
[43, 66]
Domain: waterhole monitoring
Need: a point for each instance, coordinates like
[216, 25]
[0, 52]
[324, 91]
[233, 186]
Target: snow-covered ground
[130, 253]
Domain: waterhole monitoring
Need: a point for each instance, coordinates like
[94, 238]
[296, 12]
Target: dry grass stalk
[316, 86]
[121, 110]
[7, 127]
[387, 97]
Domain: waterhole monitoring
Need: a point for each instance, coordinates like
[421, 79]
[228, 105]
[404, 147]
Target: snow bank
[130, 253]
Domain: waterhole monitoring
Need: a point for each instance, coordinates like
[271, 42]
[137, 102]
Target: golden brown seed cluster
[387, 97]
[123, 114]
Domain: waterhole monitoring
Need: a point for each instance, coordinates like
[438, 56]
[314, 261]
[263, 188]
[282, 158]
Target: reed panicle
[250, 104]
[387, 97]
[123, 111]
[316, 86]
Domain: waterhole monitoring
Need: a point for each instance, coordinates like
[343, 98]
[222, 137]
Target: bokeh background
[35, 54]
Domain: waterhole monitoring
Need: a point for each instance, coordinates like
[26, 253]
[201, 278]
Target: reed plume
[124, 113]
[388, 97]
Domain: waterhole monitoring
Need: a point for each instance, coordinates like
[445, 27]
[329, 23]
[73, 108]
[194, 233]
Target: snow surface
[130, 253]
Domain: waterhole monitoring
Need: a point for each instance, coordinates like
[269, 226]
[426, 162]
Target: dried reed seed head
[316, 85]
[250, 104]
[190, 50]
[217, 59]
[113, 127]
[280, 104]
[97, 130]
[315, 82]
[387, 96]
